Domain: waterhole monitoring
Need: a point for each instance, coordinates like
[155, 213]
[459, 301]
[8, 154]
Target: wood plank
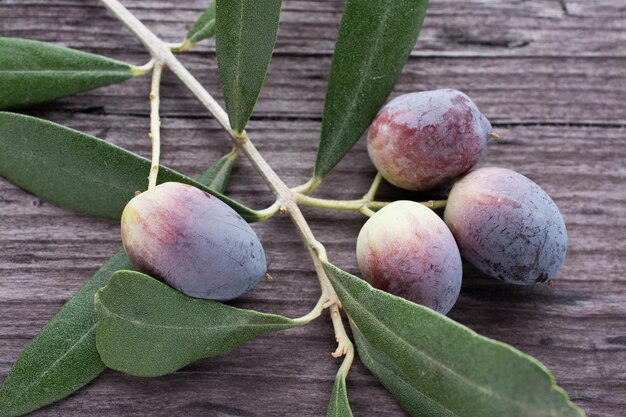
[508, 90]
[548, 73]
[452, 28]
[576, 328]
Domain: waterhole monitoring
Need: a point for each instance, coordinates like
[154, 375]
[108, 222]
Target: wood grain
[550, 75]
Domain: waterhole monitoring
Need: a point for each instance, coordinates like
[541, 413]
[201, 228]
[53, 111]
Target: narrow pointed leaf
[79, 171]
[245, 36]
[204, 27]
[375, 38]
[146, 328]
[434, 366]
[63, 356]
[218, 174]
[339, 405]
[33, 72]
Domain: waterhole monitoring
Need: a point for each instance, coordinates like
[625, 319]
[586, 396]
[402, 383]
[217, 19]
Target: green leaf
[375, 39]
[339, 405]
[33, 72]
[218, 174]
[434, 366]
[79, 171]
[204, 27]
[63, 356]
[245, 36]
[146, 328]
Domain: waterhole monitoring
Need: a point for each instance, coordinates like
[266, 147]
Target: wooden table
[550, 75]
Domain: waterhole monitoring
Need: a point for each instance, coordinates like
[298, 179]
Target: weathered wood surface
[550, 74]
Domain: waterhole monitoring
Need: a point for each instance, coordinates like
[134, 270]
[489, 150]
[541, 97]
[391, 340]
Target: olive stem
[155, 124]
[347, 361]
[364, 210]
[161, 52]
[144, 69]
[356, 205]
[435, 204]
[344, 344]
[371, 193]
[353, 205]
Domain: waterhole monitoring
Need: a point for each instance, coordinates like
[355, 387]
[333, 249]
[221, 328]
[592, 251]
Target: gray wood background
[551, 76]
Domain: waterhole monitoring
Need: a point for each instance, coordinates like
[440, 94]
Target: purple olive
[507, 226]
[421, 140]
[192, 241]
[407, 250]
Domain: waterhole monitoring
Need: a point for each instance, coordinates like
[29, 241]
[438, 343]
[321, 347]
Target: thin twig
[364, 210]
[344, 344]
[371, 193]
[155, 124]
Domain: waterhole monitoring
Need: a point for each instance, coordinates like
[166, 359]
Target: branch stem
[162, 53]
[155, 124]
[356, 205]
[344, 344]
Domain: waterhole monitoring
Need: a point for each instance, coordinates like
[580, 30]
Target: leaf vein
[465, 379]
[367, 69]
[204, 329]
[51, 367]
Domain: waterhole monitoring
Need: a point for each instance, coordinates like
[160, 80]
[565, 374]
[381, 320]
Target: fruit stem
[356, 205]
[435, 204]
[155, 123]
[364, 210]
[305, 200]
[161, 52]
[371, 193]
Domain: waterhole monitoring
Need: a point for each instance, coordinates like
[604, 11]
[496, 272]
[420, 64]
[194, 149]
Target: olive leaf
[33, 72]
[375, 39]
[79, 171]
[434, 366]
[63, 356]
[146, 328]
[339, 405]
[203, 28]
[218, 174]
[244, 41]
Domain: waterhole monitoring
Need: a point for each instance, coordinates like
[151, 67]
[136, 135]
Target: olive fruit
[506, 226]
[421, 140]
[192, 241]
[407, 250]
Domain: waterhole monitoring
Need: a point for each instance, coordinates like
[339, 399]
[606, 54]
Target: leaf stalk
[144, 69]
